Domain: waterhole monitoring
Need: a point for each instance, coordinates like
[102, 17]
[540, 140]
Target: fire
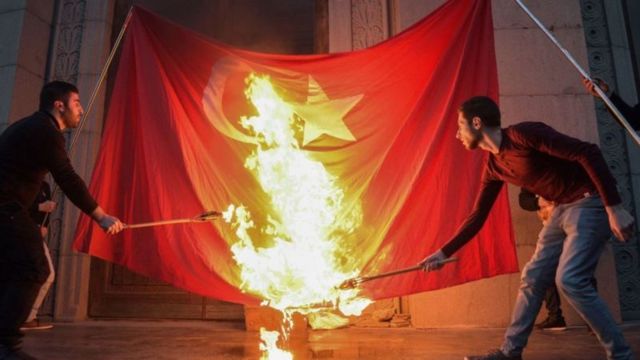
[268, 345]
[310, 224]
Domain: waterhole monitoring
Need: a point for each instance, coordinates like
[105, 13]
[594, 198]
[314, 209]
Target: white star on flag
[323, 115]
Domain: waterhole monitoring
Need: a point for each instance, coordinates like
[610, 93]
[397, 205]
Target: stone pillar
[609, 54]
[24, 34]
[357, 24]
[353, 25]
[80, 47]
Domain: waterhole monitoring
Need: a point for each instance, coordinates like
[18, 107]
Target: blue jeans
[568, 250]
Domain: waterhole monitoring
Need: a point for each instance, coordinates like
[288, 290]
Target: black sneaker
[550, 324]
[496, 354]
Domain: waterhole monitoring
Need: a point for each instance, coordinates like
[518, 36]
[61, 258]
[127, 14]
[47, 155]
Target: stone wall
[24, 37]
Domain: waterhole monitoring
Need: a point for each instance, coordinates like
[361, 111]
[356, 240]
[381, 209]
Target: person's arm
[73, 186]
[631, 114]
[47, 206]
[34, 209]
[57, 162]
[472, 224]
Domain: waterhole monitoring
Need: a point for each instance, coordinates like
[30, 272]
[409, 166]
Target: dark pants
[23, 269]
[552, 300]
[16, 299]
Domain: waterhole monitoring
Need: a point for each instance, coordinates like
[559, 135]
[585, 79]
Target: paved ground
[214, 340]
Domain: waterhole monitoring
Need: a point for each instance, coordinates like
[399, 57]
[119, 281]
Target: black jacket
[632, 114]
[29, 148]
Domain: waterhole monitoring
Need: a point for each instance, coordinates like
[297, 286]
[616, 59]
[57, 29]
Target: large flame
[310, 225]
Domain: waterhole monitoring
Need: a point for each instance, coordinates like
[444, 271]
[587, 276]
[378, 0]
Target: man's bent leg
[537, 276]
[587, 227]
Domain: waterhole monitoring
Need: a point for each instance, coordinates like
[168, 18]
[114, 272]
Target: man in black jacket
[29, 149]
[631, 113]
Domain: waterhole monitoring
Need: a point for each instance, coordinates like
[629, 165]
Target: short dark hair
[484, 108]
[55, 91]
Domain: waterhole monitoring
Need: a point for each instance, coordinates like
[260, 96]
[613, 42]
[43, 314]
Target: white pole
[101, 78]
[584, 74]
[94, 93]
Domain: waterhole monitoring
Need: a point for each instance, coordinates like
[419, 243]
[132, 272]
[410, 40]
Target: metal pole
[584, 74]
[157, 223]
[204, 217]
[352, 283]
[94, 94]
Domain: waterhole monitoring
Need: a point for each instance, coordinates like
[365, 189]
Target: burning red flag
[380, 121]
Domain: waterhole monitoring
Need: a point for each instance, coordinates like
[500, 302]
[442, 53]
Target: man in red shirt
[571, 173]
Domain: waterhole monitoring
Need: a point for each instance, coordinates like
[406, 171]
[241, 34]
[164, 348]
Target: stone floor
[215, 340]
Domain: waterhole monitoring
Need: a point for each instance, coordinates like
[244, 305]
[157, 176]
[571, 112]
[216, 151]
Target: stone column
[357, 24]
[24, 34]
[353, 25]
[81, 45]
[609, 54]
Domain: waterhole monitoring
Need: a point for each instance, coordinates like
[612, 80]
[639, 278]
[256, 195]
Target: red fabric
[166, 154]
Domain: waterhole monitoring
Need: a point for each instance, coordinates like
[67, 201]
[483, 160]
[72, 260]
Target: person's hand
[590, 86]
[44, 231]
[433, 261]
[545, 209]
[111, 224]
[47, 206]
[621, 222]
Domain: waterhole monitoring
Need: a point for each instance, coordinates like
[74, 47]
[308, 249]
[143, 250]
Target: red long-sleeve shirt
[536, 157]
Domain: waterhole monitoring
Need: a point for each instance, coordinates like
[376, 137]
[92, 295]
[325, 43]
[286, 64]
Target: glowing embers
[305, 247]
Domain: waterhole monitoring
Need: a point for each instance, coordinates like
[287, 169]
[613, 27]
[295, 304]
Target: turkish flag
[382, 122]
